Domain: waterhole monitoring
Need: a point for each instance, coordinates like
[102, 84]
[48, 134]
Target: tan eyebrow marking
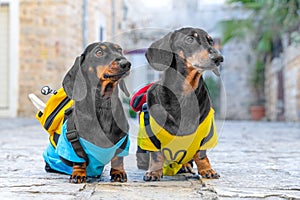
[117, 46]
[196, 35]
[91, 69]
[210, 40]
[103, 47]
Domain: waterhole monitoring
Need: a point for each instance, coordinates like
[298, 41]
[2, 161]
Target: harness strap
[54, 113]
[149, 131]
[73, 138]
[122, 147]
[55, 137]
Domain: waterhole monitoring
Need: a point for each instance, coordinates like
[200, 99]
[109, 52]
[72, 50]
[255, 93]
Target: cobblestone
[256, 160]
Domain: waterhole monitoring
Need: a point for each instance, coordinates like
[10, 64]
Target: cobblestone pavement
[256, 160]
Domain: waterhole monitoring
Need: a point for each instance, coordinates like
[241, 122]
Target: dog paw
[118, 175]
[77, 179]
[78, 173]
[153, 176]
[209, 174]
[187, 168]
[205, 169]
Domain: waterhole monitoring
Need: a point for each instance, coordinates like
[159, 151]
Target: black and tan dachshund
[180, 124]
[97, 119]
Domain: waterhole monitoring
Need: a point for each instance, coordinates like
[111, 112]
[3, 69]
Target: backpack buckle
[72, 136]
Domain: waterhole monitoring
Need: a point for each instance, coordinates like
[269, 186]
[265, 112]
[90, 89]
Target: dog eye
[189, 39]
[99, 53]
[210, 41]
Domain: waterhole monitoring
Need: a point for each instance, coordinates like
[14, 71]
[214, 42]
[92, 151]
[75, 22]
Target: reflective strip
[55, 137]
[209, 136]
[149, 131]
[51, 117]
[73, 138]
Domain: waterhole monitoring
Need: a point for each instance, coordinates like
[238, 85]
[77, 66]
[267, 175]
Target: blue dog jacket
[98, 157]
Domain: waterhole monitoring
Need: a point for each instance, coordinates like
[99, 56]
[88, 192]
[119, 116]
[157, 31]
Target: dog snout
[123, 63]
[217, 58]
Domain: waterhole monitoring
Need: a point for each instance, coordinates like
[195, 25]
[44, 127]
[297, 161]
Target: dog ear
[123, 87]
[74, 83]
[159, 54]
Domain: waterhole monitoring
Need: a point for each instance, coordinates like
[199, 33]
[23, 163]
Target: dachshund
[177, 122]
[96, 119]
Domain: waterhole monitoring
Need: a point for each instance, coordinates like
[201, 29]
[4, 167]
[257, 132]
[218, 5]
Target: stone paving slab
[256, 160]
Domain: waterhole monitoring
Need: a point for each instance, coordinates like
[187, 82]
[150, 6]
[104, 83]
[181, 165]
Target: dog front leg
[117, 171]
[78, 173]
[203, 166]
[155, 171]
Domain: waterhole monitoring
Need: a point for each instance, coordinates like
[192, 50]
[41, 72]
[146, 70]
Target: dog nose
[217, 58]
[124, 64]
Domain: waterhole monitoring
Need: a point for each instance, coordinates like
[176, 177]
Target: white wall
[13, 59]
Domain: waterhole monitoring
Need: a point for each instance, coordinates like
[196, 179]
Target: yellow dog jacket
[177, 150]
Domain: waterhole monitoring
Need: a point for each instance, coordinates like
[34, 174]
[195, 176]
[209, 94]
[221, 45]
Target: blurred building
[282, 77]
[40, 40]
[283, 83]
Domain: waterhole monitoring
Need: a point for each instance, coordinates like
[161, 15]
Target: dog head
[194, 46]
[100, 67]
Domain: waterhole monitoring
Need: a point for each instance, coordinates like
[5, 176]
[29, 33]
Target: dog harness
[98, 157]
[177, 150]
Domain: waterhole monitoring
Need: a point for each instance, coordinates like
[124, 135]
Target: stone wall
[291, 87]
[50, 40]
[289, 62]
[298, 89]
[236, 94]
[271, 89]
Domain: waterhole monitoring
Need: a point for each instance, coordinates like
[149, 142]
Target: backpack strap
[73, 137]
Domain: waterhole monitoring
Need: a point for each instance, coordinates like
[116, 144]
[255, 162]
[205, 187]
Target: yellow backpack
[52, 117]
